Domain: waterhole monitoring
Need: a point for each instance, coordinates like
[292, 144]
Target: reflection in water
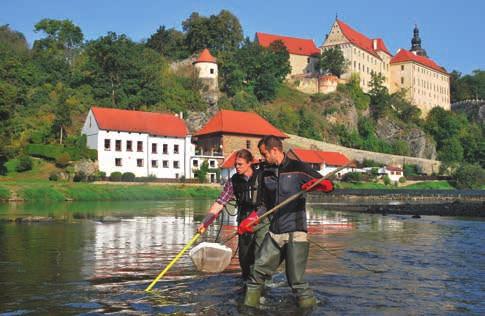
[359, 264]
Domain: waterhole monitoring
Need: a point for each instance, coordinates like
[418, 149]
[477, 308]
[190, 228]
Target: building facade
[303, 52]
[363, 54]
[144, 143]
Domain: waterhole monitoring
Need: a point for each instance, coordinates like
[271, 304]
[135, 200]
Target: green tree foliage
[202, 172]
[169, 42]
[332, 61]
[255, 68]
[24, 164]
[221, 32]
[451, 150]
[467, 87]
[404, 110]
[15, 40]
[56, 52]
[380, 98]
[469, 176]
[361, 99]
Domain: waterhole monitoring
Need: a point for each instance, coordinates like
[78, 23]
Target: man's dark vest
[246, 193]
[280, 184]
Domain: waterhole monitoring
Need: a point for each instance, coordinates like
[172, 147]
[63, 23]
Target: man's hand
[248, 223]
[206, 222]
[323, 186]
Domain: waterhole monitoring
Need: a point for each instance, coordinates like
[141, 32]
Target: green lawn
[430, 185]
[4, 193]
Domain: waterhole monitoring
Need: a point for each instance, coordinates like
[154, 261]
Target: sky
[452, 32]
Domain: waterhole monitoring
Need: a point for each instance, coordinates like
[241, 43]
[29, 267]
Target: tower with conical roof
[416, 43]
[205, 67]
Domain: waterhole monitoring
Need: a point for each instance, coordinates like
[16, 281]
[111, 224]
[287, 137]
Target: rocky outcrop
[196, 120]
[420, 144]
[474, 109]
[86, 166]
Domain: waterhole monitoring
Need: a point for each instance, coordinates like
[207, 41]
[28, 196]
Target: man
[287, 236]
[244, 186]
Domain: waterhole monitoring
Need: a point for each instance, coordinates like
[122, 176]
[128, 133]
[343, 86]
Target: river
[97, 258]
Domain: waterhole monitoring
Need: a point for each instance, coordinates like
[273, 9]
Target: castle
[426, 84]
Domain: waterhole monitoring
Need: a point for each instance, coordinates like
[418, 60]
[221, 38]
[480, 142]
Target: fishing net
[211, 257]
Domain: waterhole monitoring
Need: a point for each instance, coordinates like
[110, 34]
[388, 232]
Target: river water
[98, 257]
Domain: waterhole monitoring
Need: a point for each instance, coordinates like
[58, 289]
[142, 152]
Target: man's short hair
[270, 142]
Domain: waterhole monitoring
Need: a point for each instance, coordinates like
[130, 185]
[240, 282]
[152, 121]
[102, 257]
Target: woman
[244, 187]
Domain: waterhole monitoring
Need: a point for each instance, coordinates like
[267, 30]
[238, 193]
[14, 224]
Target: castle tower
[207, 71]
[416, 43]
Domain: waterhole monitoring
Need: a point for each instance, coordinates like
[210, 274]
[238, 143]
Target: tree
[61, 35]
[380, 99]
[169, 42]
[451, 150]
[221, 32]
[469, 176]
[332, 61]
[202, 172]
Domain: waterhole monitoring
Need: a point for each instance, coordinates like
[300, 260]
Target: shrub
[115, 176]
[53, 176]
[128, 177]
[79, 177]
[410, 170]
[469, 176]
[402, 179]
[387, 180]
[63, 160]
[25, 163]
[370, 163]
[352, 177]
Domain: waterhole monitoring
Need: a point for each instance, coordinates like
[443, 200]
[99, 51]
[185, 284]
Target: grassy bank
[4, 193]
[427, 185]
[62, 191]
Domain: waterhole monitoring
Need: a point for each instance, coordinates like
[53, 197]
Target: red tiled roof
[205, 57]
[362, 41]
[405, 55]
[230, 161]
[159, 124]
[294, 45]
[236, 122]
[316, 156]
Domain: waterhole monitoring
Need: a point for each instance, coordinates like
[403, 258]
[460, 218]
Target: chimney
[374, 44]
[181, 115]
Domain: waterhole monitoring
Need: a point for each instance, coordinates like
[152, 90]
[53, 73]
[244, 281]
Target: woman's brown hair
[244, 154]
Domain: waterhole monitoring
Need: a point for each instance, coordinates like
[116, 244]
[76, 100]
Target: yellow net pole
[177, 257]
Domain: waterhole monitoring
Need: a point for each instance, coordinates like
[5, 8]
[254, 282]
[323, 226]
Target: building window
[176, 176]
[139, 146]
[129, 145]
[165, 149]
[212, 163]
[308, 60]
[118, 162]
[175, 149]
[154, 163]
[248, 144]
[195, 163]
[154, 148]
[212, 71]
[107, 144]
[176, 164]
[402, 80]
[139, 162]
[402, 67]
[118, 145]
[165, 164]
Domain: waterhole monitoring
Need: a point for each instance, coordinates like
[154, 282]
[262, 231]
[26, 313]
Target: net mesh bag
[211, 257]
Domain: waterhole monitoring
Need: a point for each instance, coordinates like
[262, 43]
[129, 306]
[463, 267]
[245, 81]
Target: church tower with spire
[416, 43]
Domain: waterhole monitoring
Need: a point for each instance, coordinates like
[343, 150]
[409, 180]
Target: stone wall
[428, 166]
[235, 142]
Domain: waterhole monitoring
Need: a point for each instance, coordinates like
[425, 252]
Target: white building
[323, 161]
[144, 143]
